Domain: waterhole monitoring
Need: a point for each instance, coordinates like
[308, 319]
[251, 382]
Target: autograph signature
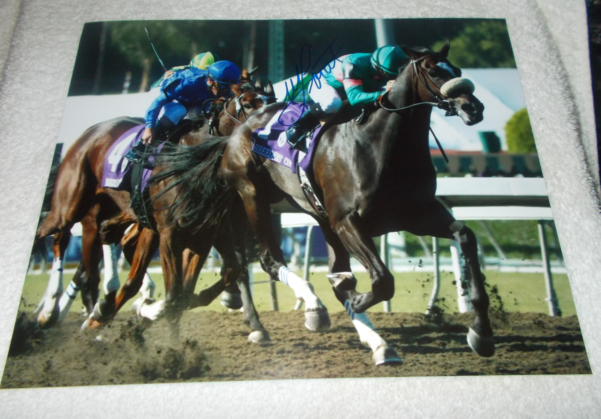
[306, 78]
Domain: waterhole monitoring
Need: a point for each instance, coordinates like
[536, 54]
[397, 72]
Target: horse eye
[248, 106]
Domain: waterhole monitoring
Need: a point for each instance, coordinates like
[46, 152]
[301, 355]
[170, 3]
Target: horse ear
[258, 84]
[444, 51]
[245, 75]
[269, 89]
[410, 52]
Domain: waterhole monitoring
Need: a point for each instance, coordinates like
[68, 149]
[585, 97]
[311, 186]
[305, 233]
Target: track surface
[213, 347]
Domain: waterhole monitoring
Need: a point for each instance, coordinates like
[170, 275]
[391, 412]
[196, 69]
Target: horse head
[248, 99]
[436, 80]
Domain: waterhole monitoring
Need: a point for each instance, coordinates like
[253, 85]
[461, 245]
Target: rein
[229, 115]
[418, 71]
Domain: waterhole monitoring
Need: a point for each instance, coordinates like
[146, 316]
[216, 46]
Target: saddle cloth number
[118, 152]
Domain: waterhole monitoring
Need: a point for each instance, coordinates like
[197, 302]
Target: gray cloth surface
[38, 43]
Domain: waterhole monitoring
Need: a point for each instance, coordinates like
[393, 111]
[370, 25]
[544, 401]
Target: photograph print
[284, 199]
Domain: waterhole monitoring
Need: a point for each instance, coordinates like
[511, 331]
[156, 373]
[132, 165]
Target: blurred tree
[519, 133]
[176, 42]
[484, 44]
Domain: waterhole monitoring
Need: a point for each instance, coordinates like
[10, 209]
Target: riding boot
[297, 133]
[139, 151]
[162, 129]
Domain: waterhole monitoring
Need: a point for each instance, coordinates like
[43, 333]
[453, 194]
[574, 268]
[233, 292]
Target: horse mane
[192, 173]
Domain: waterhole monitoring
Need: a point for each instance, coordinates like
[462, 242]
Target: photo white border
[549, 39]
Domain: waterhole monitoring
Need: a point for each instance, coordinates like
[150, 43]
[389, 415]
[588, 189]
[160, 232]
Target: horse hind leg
[435, 220]
[49, 312]
[272, 262]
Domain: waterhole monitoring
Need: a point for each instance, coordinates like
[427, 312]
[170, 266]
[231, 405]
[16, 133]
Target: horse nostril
[468, 108]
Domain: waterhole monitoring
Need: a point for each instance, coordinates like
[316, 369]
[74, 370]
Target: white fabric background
[38, 43]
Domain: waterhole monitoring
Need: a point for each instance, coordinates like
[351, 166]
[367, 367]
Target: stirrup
[135, 155]
[296, 137]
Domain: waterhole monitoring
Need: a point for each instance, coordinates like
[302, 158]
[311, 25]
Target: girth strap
[310, 195]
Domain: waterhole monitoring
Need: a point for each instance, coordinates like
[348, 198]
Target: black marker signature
[306, 78]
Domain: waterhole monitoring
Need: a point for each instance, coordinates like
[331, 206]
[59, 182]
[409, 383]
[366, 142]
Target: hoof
[98, 315]
[259, 336]
[232, 301]
[45, 321]
[385, 355]
[483, 346]
[317, 320]
[91, 324]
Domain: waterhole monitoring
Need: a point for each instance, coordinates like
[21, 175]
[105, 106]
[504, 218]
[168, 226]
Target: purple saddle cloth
[270, 141]
[117, 168]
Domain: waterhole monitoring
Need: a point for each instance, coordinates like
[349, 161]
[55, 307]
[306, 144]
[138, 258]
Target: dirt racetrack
[213, 347]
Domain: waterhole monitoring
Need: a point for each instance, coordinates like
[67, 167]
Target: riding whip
[154, 49]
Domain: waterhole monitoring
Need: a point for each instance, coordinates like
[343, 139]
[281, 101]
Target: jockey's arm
[152, 115]
[353, 85]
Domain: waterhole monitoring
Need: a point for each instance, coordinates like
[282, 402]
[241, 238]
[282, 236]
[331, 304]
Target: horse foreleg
[49, 313]
[147, 288]
[342, 277]
[480, 335]
[104, 310]
[362, 247]
[233, 252]
[70, 293]
[272, 261]
[192, 264]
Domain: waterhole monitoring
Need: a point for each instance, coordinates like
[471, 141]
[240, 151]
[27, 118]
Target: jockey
[181, 91]
[201, 61]
[360, 78]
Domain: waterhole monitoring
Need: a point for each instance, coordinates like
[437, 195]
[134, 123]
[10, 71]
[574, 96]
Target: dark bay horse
[372, 178]
[77, 191]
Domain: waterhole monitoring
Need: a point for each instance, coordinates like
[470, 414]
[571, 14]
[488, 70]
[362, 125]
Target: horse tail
[200, 197]
[40, 246]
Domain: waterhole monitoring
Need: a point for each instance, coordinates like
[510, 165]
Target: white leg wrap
[147, 288]
[463, 299]
[111, 277]
[367, 332]
[54, 289]
[67, 299]
[303, 290]
[152, 311]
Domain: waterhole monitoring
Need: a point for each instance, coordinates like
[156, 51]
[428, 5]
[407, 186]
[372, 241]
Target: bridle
[240, 108]
[420, 75]
[240, 111]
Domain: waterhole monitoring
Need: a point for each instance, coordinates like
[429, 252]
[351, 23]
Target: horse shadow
[450, 338]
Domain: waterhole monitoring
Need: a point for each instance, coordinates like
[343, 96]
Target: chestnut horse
[77, 191]
[372, 178]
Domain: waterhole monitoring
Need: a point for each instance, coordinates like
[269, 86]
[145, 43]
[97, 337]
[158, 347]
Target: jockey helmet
[204, 60]
[388, 59]
[224, 73]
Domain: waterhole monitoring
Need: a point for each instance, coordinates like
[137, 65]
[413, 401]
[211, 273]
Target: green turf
[520, 292]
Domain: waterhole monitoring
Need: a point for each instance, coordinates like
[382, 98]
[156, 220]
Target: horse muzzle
[468, 108]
